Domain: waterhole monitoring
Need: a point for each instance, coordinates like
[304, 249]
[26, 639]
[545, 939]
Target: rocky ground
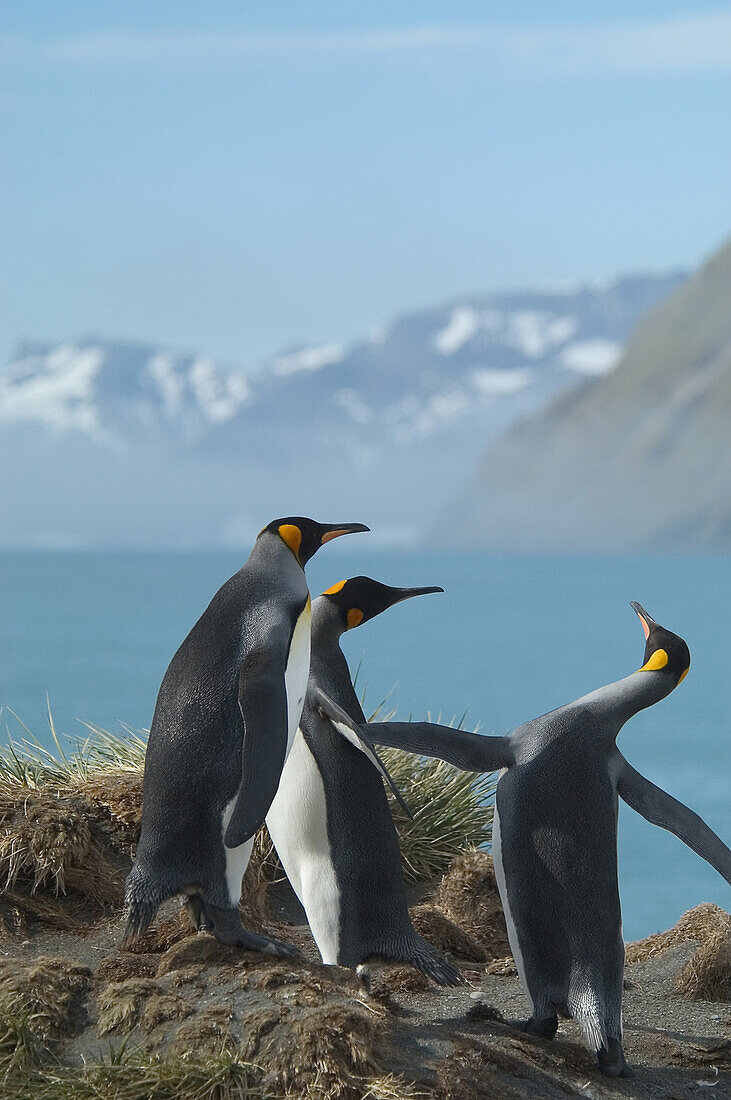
[182, 1017]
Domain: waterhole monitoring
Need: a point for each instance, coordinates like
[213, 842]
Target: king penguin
[330, 820]
[225, 718]
[554, 838]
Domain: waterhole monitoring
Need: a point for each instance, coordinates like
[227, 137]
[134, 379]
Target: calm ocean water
[511, 638]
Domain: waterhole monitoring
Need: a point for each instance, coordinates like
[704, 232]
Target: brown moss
[209, 1029]
[162, 934]
[305, 984]
[319, 1052]
[119, 1005]
[470, 1072]
[114, 799]
[481, 1010]
[30, 908]
[442, 933]
[52, 992]
[504, 967]
[54, 862]
[117, 968]
[697, 925]
[469, 896]
[400, 979]
[187, 975]
[706, 1052]
[163, 1007]
[707, 974]
[196, 949]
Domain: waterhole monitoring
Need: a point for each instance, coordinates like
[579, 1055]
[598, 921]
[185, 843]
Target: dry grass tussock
[47, 844]
[468, 894]
[444, 934]
[696, 926]
[48, 993]
[323, 1050]
[69, 820]
[707, 974]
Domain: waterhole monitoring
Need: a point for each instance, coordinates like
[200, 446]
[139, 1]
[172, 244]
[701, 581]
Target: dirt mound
[707, 974]
[469, 896]
[444, 934]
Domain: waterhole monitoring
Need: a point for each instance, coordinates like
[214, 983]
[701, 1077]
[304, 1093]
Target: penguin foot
[364, 974]
[251, 941]
[226, 926]
[612, 1061]
[545, 1027]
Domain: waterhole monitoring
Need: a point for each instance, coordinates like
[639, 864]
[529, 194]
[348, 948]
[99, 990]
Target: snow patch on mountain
[464, 322]
[592, 357]
[495, 383]
[56, 389]
[308, 359]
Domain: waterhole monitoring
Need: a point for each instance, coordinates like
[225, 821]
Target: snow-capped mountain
[123, 444]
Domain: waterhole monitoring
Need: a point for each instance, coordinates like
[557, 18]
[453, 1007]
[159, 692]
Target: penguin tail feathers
[142, 900]
[428, 960]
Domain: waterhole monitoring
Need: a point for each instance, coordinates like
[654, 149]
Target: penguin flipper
[660, 808]
[263, 706]
[356, 735]
[472, 752]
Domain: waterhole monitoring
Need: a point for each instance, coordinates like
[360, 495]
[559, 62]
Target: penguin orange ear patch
[657, 661]
[335, 588]
[684, 674]
[355, 616]
[292, 535]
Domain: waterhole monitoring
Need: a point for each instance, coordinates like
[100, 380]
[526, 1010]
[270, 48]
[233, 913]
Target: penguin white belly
[297, 672]
[237, 859]
[296, 675]
[497, 859]
[297, 823]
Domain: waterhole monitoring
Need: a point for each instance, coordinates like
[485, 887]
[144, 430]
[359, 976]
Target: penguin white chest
[297, 823]
[297, 671]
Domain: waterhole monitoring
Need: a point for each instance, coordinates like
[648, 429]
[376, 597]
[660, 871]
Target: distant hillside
[117, 444]
[638, 459]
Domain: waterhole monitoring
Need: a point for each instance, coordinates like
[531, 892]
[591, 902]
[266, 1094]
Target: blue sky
[237, 177]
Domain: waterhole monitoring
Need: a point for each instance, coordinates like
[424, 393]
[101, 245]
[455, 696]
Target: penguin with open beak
[554, 837]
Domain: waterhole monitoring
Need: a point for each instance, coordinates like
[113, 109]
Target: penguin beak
[335, 530]
[647, 620]
[407, 593]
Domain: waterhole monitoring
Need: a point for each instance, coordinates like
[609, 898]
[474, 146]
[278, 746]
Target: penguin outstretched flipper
[356, 734]
[660, 808]
[472, 752]
[263, 706]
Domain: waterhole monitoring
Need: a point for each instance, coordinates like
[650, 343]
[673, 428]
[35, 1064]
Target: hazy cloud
[670, 46]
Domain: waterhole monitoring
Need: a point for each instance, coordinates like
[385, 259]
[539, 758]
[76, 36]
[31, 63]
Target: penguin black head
[664, 651]
[360, 598]
[304, 537]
